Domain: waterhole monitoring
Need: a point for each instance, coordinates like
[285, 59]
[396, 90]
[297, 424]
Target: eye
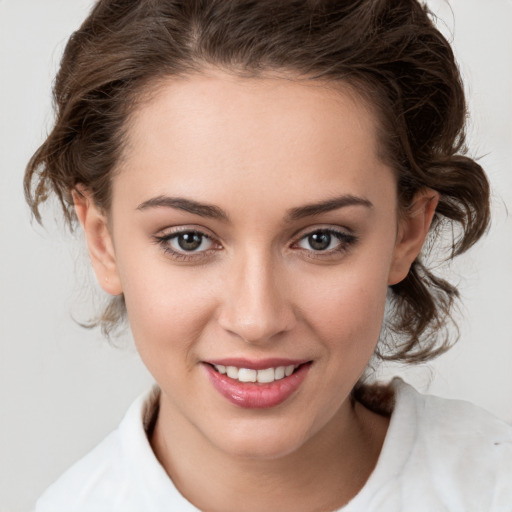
[186, 244]
[190, 241]
[326, 241]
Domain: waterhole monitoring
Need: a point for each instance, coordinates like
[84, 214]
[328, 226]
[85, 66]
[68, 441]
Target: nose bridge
[255, 306]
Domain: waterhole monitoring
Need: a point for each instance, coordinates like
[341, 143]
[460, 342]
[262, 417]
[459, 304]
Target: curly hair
[390, 50]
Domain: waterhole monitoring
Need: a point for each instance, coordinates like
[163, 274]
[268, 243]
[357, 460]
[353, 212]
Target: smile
[264, 376]
[257, 388]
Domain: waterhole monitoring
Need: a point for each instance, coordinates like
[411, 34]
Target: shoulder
[120, 474]
[461, 450]
[438, 454]
[87, 481]
[445, 419]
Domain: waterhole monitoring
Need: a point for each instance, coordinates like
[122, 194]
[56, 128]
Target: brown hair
[389, 49]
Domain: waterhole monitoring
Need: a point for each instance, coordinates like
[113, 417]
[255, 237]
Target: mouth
[269, 385]
[262, 376]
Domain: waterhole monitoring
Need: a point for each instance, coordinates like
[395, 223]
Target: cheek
[344, 316]
[347, 308]
[167, 308]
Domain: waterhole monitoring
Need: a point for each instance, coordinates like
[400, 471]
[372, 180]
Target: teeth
[232, 372]
[246, 375]
[267, 375]
[263, 376]
[279, 373]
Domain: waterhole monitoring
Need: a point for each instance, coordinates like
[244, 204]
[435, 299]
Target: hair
[388, 50]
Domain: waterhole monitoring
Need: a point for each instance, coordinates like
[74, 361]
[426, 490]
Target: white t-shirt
[439, 455]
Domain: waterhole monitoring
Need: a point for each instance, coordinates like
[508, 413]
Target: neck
[323, 474]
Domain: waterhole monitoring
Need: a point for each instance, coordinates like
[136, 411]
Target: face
[253, 231]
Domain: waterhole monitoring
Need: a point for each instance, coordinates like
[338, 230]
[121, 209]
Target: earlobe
[413, 230]
[99, 241]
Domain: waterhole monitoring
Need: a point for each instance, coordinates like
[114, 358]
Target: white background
[63, 388]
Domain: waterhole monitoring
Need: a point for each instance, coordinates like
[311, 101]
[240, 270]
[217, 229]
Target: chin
[260, 440]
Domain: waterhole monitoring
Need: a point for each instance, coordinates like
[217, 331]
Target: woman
[256, 180]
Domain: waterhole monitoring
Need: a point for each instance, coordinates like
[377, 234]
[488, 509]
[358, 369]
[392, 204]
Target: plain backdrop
[63, 388]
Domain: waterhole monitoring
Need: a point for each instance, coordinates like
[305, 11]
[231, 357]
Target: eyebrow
[310, 210]
[187, 205]
[214, 212]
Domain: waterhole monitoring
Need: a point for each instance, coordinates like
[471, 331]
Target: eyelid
[340, 230]
[169, 233]
[347, 238]
[181, 228]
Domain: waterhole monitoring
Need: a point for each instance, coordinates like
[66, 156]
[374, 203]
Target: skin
[257, 149]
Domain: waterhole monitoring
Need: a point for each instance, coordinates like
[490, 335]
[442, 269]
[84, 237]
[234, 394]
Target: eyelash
[164, 242]
[345, 240]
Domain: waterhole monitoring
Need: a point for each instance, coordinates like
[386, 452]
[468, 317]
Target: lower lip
[251, 395]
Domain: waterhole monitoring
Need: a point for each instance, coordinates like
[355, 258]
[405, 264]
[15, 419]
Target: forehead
[195, 132]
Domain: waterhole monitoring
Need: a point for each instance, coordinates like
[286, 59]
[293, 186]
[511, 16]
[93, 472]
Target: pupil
[319, 240]
[189, 241]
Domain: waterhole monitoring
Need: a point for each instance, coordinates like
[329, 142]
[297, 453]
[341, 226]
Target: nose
[255, 306]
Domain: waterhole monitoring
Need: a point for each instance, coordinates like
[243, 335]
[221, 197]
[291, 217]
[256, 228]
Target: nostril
[254, 306]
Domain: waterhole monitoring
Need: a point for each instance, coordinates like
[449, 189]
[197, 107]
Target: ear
[412, 231]
[99, 241]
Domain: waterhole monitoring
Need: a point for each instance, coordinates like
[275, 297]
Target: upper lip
[257, 364]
